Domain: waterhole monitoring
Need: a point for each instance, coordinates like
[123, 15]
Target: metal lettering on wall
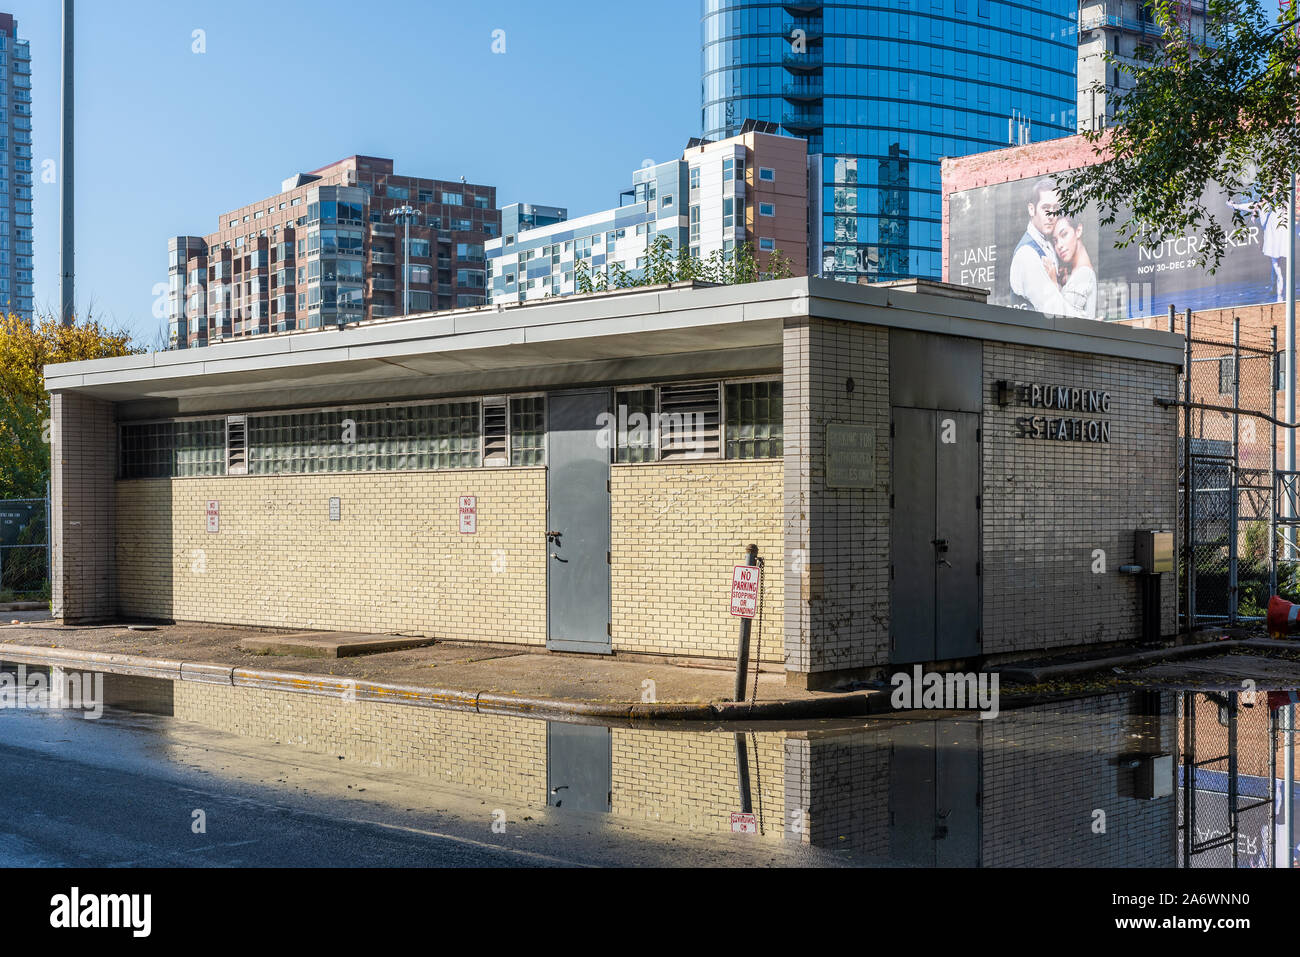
[850, 456]
[1060, 399]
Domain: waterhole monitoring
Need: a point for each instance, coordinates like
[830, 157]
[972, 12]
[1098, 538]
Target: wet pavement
[1094, 780]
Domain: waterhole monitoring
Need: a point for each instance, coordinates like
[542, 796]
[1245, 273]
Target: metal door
[579, 766]
[957, 529]
[912, 611]
[935, 536]
[577, 524]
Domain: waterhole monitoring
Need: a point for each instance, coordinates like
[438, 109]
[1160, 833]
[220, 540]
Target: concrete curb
[1073, 668]
[482, 702]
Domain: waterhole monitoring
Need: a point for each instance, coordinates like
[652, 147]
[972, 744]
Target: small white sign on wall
[214, 517]
[469, 514]
[336, 509]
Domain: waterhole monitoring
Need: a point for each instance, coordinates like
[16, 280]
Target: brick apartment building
[328, 250]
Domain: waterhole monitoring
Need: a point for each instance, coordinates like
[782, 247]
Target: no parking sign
[744, 591]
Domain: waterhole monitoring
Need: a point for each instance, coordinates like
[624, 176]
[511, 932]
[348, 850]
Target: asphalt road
[123, 791]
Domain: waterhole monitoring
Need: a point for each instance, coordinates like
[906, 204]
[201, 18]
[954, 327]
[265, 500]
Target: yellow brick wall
[395, 562]
[688, 778]
[677, 531]
[489, 753]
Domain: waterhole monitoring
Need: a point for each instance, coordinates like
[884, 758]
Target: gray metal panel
[957, 784]
[577, 506]
[911, 535]
[957, 485]
[935, 372]
[579, 766]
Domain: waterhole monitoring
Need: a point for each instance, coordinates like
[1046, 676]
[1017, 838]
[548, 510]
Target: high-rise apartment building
[882, 90]
[347, 242]
[1120, 28]
[15, 170]
[720, 195]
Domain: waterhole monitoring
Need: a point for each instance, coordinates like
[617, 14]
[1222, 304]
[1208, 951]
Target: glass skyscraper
[882, 90]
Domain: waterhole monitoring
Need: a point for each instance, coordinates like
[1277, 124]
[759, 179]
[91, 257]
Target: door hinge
[609, 558]
[891, 430]
[978, 434]
[979, 636]
[979, 502]
[609, 486]
[979, 569]
[609, 629]
[891, 573]
[892, 645]
[891, 501]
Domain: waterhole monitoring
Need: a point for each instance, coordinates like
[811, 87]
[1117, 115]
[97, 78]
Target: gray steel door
[912, 613]
[579, 766]
[957, 525]
[577, 523]
[935, 535]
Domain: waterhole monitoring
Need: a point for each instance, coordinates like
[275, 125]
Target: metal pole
[1171, 318]
[49, 542]
[1288, 782]
[742, 774]
[1272, 471]
[742, 653]
[1234, 481]
[67, 262]
[406, 265]
[1189, 600]
[1290, 359]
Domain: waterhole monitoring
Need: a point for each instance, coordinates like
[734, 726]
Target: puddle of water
[1091, 781]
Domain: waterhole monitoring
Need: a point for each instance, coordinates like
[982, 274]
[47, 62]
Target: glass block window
[398, 438]
[200, 448]
[188, 449]
[635, 413]
[754, 420]
[147, 450]
[528, 431]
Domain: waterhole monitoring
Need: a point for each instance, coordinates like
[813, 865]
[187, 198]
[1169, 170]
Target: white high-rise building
[1118, 27]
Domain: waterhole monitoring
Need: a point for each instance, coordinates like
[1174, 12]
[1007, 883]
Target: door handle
[941, 544]
[558, 558]
[551, 535]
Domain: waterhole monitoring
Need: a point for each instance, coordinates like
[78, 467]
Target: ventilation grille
[496, 433]
[236, 445]
[688, 421]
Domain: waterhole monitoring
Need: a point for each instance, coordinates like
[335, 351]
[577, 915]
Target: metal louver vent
[688, 421]
[496, 433]
[236, 445]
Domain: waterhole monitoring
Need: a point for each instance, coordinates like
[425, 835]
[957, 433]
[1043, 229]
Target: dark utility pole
[67, 257]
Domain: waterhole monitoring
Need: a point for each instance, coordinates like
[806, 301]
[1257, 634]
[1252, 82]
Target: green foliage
[662, 267]
[1210, 119]
[25, 350]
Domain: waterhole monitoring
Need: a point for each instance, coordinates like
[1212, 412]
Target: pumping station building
[928, 478]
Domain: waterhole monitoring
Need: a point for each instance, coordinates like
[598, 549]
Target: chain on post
[758, 638]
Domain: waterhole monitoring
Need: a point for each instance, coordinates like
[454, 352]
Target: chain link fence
[24, 549]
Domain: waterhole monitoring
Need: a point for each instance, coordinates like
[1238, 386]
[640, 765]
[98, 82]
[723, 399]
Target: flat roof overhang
[633, 335]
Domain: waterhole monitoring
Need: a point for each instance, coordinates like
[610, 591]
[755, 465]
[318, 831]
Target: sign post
[744, 605]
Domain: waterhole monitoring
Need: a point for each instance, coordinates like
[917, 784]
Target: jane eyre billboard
[1012, 240]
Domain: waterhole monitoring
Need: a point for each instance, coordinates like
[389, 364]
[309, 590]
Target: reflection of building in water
[1022, 790]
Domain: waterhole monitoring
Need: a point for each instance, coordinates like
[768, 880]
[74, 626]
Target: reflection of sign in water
[850, 456]
[744, 823]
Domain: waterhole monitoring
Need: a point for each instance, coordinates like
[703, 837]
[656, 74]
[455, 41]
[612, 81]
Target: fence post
[1234, 480]
[1275, 497]
[1189, 578]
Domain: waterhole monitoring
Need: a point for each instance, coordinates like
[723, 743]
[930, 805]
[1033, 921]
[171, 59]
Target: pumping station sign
[1070, 413]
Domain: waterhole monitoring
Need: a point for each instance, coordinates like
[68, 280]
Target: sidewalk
[488, 678]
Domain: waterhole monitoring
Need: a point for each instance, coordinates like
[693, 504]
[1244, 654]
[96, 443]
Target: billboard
[1010, 239]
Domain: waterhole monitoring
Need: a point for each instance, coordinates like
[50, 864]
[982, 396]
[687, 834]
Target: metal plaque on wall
[850, 456]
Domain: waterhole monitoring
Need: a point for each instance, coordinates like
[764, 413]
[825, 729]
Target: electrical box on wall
[1155, 551]
[1155, 776]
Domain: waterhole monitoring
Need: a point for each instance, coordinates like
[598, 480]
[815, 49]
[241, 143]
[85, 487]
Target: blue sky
[168, 139]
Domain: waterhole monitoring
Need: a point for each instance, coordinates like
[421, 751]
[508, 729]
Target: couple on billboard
[1051, 270]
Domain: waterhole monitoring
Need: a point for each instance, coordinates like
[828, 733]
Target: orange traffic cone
[1282, 617]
